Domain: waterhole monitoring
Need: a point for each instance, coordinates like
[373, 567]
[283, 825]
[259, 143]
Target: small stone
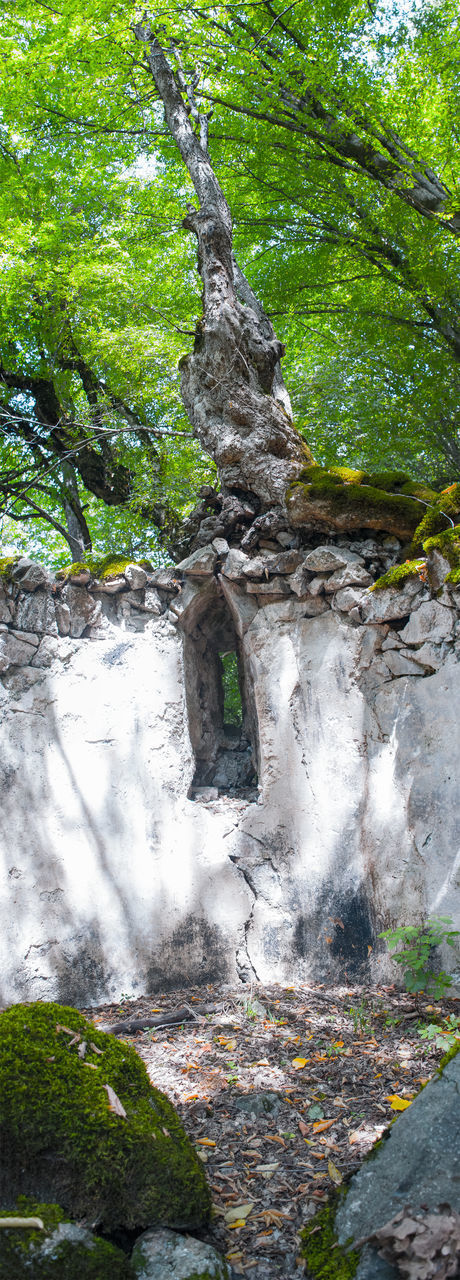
[84, 610]
[330, 558]
[29, 576]
[152, 602]
[284, 561]
[14, 652]
[242, 607]
[429, 655]
[391, 543]
[205, 793]
[432, 621]
[36, 612]
[28, 637]
[136, 576]
[234, 564]
[313, 606]
[257, 568]
[201, 563]
[5, 611]
[437, 568]
[62, 618]
[388, 603]
[316, 586]
[286, 539]
[392, 642]
[166, 579]
[220, 546]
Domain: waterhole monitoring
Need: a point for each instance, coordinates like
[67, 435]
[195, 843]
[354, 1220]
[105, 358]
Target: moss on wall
[397, 576]
[6, 565]
[107, 567]
[61, 1139]
[33, 1254]
[344, 499]
[448, 543]
[325, 1259]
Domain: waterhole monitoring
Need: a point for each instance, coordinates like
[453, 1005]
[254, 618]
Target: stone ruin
[147, 842]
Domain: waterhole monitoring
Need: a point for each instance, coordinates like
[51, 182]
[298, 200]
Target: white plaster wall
[113, 881]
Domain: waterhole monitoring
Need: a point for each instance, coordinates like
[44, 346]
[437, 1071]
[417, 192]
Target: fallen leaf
[304, 1128]
[95, 1048]
[334, 1173]
[321, 1125]
[28, 1223]
[397, 1103]
[238, 1214]
[82, 1049]
[205, 1142]
[114, 1102]
[299, 1063]
[267, 1168]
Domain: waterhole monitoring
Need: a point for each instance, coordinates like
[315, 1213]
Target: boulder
[84, 611]
[58, 1250]
[165, 1255]
[36, 613]
[235, 563]
[28, 575]
[82, 1125]
[432, 621]
[325, 559]
[200, 564]
[136, 576]
[14, 652]
[387, 603]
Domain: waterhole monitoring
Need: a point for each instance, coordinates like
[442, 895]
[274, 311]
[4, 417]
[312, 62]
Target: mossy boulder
[438, 517]
[448, 544]
[325, 1259]
[342, 499]
[105, 568]
[59, 1251]
[399, 574]
[62, 1139]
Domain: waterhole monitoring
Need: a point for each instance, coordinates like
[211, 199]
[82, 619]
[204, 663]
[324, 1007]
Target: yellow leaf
[237, 1215]
[320, 1125]
[397, 1103]
[240, 1222]
[334, 1173]
[206, 1142]
[298, 1063]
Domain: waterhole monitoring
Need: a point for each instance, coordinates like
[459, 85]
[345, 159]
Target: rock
[391, 544]
[243, 608]
[152, 602]
[28, 575]
[37, 613]
[348, 599]
[200, 563]
[257, 568]
[5, 610]
[166, 1255]
[437, 568]
[104, 1141]
[432, 621]
[285, 561]
[350, 576]
[429, 656]
[399, 665]
[324, 559]
[84, 610]
[110, 586]
[418, 1164]
[62, 617]
[221, 546]
[61, 1251]
[313, 606]
[234, 564]
[285, 538]
[135, 575]
[206, 794]
[275, 587]
[388, 603]
[166, 579]
[15, 652]
[392, 642]
[316, 585]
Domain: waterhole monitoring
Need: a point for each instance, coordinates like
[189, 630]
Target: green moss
[325, 1258]
[60, 1140]
[451, 1053]
[435, 519]
[448, 543]
[7, 563]
[397, 576]
[47, 1255]
[110, 566]
[347, 475]
[387, 480]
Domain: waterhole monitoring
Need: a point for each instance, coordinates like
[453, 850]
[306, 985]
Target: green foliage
[233, 711]
[448, 543]
[397, 576]
[58, 1131]
[47, 1255]
[444, 1035]
[419, 943]
[361, 1016]
[325, 1259]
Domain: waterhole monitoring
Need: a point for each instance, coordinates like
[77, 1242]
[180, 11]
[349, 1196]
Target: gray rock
[84, 610]
[166, 1255]
[136, 576]
[14, 652]
[257, 568]
[200, 563]
[438, 568]
[37, 613]
[428, 656]
[313, 606]
[68, 1249]
[348, 599]
[166, 579]
[243, 608]
[5, 610]
[350, 576]
[399, 665]
[221, 546]
[28, 575]
[418, 1163]
[323, 559]
[62, 617]
[259, 1104]
[274, 587]
[432, 621]
[392, 642]
[388, 603]
[110, 586]
[316, 585]
[235, 563]
[152, 602]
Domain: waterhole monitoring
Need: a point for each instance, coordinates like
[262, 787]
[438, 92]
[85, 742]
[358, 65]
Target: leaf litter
[272, 1082]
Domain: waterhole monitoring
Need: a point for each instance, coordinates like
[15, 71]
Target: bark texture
[231, 384]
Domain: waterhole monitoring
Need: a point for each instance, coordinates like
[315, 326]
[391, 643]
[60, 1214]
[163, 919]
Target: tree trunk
[231, 385]
[78, 534]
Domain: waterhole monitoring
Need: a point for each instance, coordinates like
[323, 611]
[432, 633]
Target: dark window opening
[221, 716]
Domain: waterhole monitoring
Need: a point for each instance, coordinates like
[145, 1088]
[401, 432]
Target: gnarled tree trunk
[231, 385]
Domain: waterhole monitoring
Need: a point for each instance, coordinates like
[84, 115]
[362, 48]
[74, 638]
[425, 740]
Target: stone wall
[144, 844]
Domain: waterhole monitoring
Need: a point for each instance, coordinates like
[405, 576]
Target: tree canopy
[333, 132]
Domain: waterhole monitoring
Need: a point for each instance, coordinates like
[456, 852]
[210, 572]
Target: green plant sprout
[416, 953]
[360, 1017]
[444, 1034]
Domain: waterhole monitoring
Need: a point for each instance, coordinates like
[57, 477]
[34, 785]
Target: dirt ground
[283, 1090]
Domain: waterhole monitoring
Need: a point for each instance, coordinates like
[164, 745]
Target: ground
[283, 1091]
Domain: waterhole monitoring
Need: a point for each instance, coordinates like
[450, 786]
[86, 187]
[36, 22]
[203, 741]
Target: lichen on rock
[63, 1138]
